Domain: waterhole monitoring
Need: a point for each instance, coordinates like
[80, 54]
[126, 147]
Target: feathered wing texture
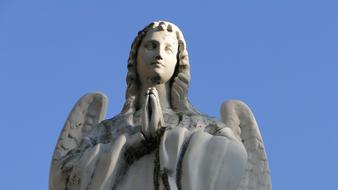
[238, 116]
[86, 113]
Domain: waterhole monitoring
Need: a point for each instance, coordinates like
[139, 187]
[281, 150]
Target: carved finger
[159, 109]
[155, 117]
[158, 105]
[145, 118]
[154, 92]
[147, 92]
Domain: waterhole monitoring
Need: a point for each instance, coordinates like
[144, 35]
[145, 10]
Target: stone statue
[158, 141]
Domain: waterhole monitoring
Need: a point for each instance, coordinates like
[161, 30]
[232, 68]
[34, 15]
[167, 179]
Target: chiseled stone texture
[158, 141]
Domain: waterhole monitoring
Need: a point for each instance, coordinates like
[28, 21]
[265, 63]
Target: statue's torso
[119, 158]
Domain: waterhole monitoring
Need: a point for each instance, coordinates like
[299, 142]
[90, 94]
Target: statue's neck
[163, 92]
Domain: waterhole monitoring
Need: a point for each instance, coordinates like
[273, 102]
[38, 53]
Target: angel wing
[238, 116]
[86, 113]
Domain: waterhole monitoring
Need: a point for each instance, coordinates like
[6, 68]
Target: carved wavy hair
[179, 100]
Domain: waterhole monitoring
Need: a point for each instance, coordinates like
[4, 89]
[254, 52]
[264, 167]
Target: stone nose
[158, 57]
[159, 53]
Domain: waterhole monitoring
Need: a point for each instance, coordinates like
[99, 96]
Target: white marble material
[158, 141]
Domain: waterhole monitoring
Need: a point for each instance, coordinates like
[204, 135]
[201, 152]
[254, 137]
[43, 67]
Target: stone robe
[193, 152]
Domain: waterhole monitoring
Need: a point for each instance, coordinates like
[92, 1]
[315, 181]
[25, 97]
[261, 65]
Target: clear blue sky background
[280, 57]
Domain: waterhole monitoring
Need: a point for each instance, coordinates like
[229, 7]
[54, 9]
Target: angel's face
[157, 57]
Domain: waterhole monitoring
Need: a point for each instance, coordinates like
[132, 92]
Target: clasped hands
[152, 118]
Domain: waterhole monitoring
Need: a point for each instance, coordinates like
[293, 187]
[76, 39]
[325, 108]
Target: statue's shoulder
[203, 121]
[111, 122]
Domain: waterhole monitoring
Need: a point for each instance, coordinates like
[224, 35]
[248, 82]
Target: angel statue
[158, 141]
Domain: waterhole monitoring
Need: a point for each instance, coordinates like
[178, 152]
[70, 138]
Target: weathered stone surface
[159, 141]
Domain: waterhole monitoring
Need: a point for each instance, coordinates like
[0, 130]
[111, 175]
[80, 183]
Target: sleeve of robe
[197, 160]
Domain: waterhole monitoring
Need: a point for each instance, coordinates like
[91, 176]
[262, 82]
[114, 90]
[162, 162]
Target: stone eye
[169, 49]
[151, 46]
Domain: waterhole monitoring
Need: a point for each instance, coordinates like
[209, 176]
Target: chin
[159, 77]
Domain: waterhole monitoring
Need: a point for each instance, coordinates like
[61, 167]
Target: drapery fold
[183, 160]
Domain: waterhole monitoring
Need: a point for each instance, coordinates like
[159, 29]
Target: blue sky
[280, 57]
